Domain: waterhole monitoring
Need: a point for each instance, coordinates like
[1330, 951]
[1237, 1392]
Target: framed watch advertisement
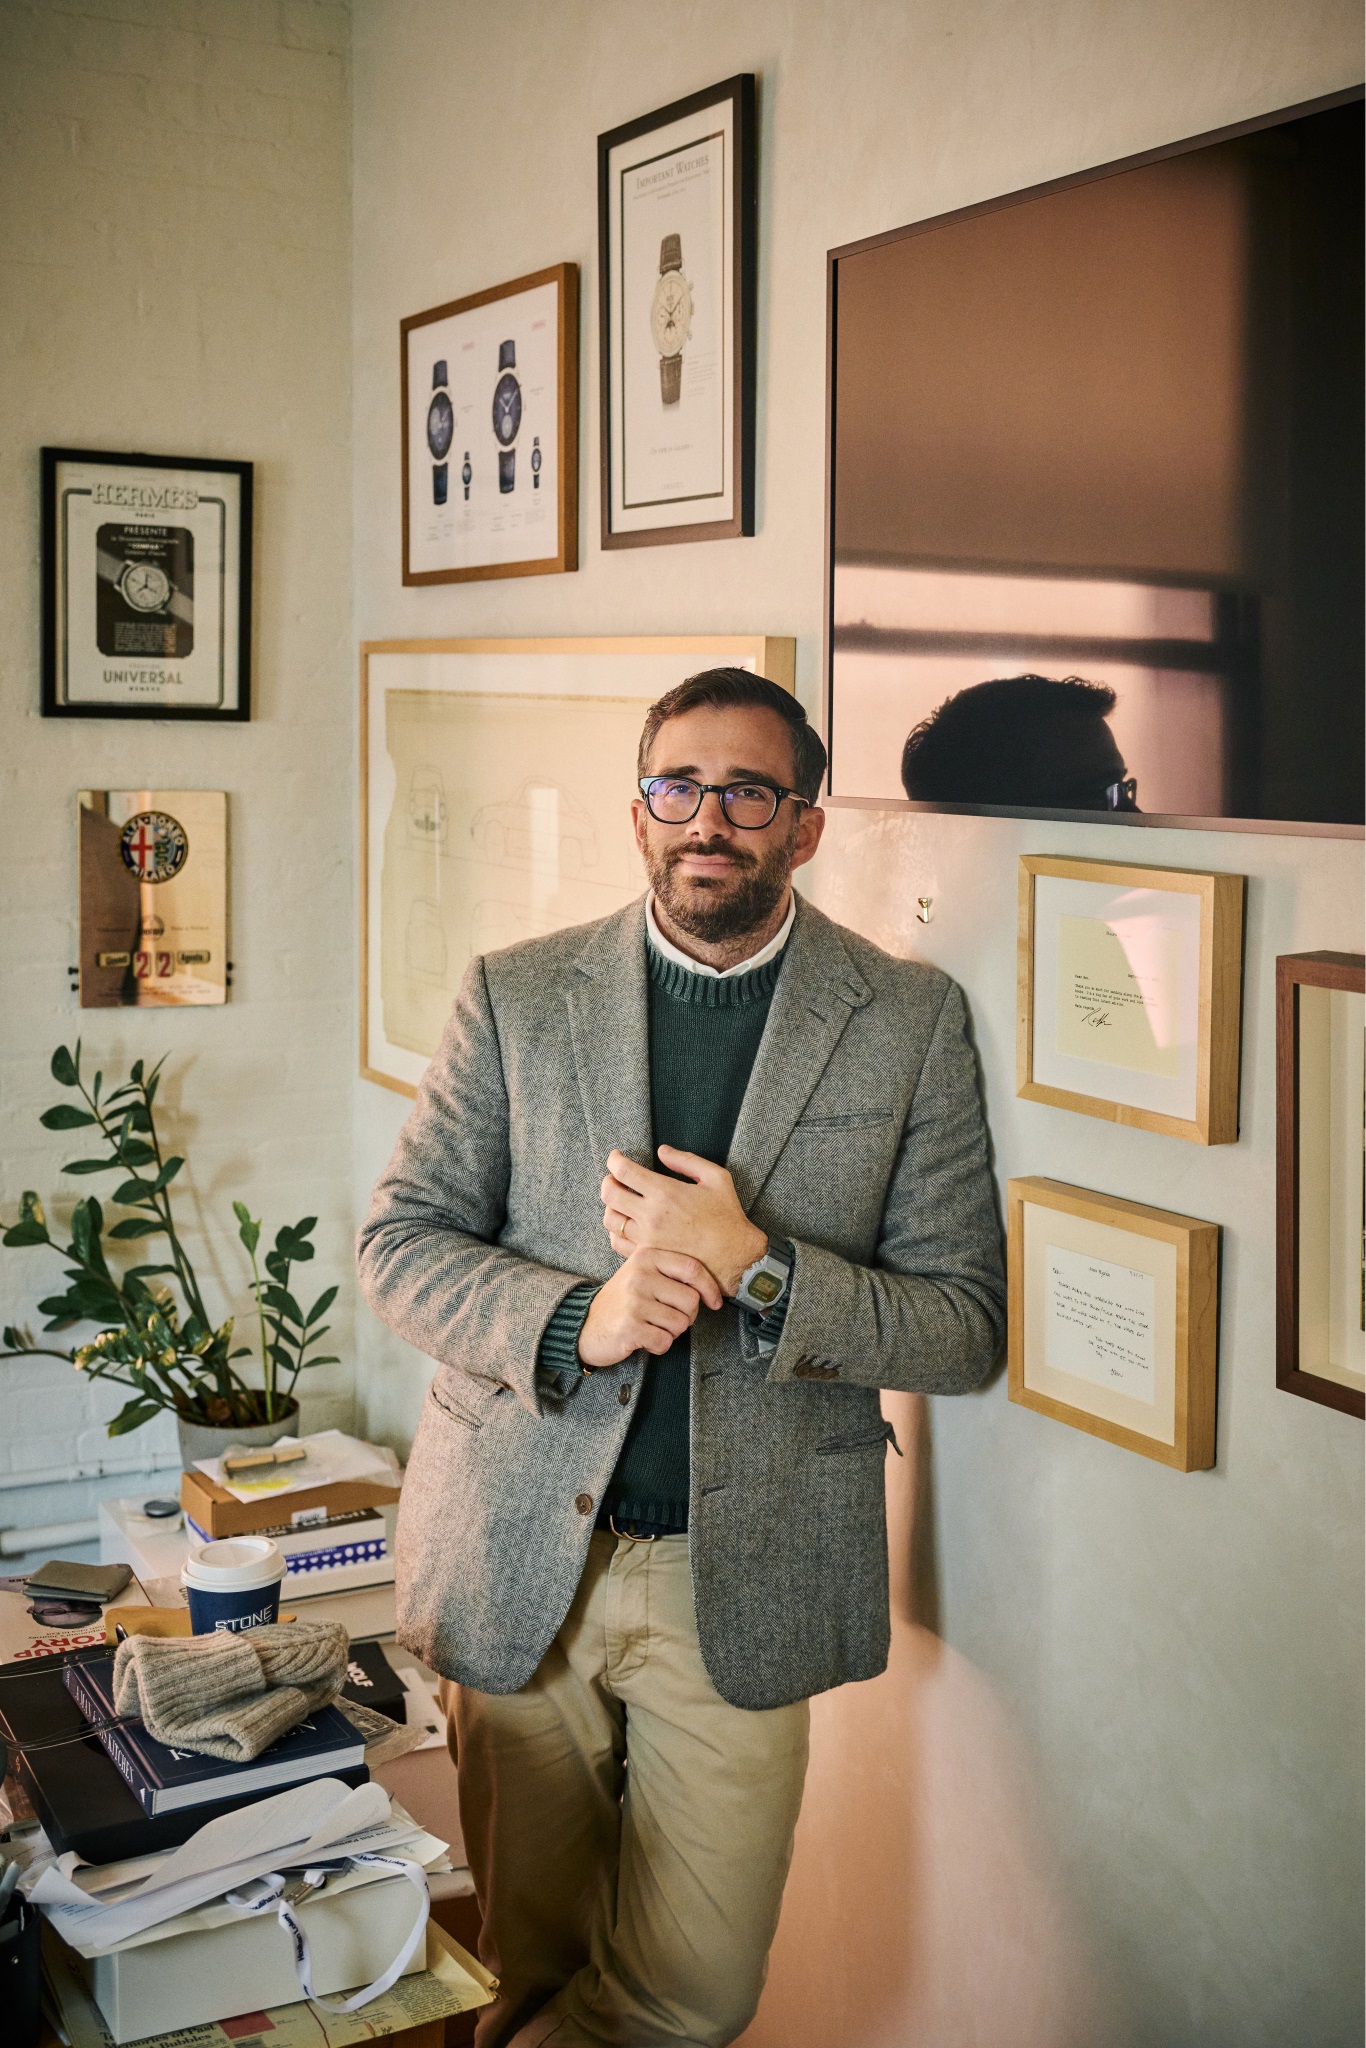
[146, 586]
[1129, 992]
[677, 241]
[490, 432]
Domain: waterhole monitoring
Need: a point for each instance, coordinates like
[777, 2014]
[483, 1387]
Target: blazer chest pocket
[842, 1120]
[463, 1398]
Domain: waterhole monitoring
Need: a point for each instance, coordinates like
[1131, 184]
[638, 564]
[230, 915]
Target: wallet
[78, 1581]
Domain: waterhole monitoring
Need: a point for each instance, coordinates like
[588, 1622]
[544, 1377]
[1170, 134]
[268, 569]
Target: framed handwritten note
[1129, 985]
[1114, 1319]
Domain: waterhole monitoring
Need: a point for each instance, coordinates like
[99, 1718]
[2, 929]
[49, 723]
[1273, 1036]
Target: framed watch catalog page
[677, 236]
[1114, 1312]
[1129, 986]
[146, 586]
[490, 432]
[496, 786]
[1320, 1155]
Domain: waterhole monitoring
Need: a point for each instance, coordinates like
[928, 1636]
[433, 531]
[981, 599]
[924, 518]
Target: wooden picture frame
[678, 213]
[490, 443]
[496, 778]
[146, 586]
[1146, 964]
[1319, 1201]
[1114, 1317]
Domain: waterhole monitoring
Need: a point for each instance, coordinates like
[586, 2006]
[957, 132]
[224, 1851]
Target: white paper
[332, 1457]
[1100, 1322]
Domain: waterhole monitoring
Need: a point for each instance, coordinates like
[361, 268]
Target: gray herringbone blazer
[861, 1139]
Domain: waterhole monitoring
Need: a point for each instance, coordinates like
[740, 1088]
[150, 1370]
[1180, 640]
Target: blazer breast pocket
[464, 1399]
[841, 1120]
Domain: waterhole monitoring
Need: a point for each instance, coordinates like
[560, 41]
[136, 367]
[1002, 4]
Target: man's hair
[719, 688]
[1000, 742]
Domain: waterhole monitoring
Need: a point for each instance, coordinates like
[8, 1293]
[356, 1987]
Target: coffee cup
[233, 1584]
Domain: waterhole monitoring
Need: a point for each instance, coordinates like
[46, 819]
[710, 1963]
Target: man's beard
[716, 908]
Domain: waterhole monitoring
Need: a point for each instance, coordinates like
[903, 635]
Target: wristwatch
[671, 318]
[507, 413]
[536, 462]
[763, 1285]
[440, 428]
[466, 473]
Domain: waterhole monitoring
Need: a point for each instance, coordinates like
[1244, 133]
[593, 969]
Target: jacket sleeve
[928, 1315]
[428, 1254]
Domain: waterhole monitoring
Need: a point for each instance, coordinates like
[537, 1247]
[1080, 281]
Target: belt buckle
[625, 1534]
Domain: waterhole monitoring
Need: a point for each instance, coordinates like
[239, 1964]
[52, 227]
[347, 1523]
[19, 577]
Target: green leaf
[95, 1091]
[134, 1415]
[283, 1303]
[248, 1227]
[66, 1117]
[277, 1268]
[20, 1234]
[90, 1166]
[167, 1174]
[136, 1074]
[138, 1119]
[65, 1069]
[310, 1362]
[57, 1305]
[141, 1226]
[31, 1209]
[136, 1153]
[145, 1272]
[320, 1307]
[132, 1192]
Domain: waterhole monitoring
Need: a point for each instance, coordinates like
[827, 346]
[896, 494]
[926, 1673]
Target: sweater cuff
[559, 1346]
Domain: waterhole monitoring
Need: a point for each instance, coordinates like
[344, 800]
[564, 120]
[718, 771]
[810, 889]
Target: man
[1021, 741]
[682, 1190]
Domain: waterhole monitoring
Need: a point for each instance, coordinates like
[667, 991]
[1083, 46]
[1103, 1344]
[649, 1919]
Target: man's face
[714, 879]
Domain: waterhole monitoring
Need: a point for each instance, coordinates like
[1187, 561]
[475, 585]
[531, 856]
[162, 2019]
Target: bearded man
[681, 1191]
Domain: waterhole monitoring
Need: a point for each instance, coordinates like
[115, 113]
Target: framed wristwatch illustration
[146, 586]
[490, 388]
[677, 214]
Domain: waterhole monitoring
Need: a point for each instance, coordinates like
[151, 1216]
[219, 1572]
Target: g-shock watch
[671, 318]
[507, 414]
[440, 430]
[466, 473]
[536, 462]
[763, 1285]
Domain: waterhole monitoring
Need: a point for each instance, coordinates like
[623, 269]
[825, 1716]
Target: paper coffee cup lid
[234, 1565]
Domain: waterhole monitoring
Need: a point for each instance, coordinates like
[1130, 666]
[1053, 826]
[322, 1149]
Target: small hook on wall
[924, 912]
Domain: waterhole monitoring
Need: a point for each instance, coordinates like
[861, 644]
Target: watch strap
[671, 379]
[670, 253]
[440, 477]
[507, 355]
[439, 376]
[507, 468]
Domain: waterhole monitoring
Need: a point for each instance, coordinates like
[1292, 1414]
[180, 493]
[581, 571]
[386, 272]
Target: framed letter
[1114, 1319]
[146, 586]
[1129, 994]
[677, 214]
[490, 432]
[1320, 1225]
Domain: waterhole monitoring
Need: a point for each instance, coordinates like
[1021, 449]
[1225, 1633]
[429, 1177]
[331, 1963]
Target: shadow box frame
[772, 655]
[1193, 1314]
[1218, 998]
[565, 277]
[234, 591]
[1294, 971]
[740, 367]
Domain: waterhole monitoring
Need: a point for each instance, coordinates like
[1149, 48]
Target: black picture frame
[234, 618]
[739, 364]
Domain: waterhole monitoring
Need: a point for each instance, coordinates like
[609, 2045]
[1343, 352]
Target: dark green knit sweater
[704, 1035]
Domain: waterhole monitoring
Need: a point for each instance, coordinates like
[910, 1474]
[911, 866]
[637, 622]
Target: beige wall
[1134, 1762]
[174, 277]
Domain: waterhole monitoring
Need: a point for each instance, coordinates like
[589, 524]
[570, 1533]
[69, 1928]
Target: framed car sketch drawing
[496, 787]
[677, 267]
[1320, 1156]
[1128, 992]
[490, 432]
[1114, 1313]
[146, 586]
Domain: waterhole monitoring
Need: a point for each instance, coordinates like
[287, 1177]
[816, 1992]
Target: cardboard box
[212, 1507]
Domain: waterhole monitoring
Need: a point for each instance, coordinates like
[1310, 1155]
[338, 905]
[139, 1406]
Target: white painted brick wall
[175, 276]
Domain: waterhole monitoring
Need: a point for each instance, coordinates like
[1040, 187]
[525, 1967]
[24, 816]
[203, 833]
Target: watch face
[440, 425]
[671, 312]
[765, 1287]
[507, 409]
[145, 586]
[466, 473]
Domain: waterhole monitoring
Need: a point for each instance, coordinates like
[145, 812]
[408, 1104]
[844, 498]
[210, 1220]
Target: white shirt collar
[759, 959]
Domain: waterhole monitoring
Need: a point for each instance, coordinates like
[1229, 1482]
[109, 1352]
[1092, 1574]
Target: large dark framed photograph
[678, 282]
[490, 432]
[1095, 490]
[146, 563]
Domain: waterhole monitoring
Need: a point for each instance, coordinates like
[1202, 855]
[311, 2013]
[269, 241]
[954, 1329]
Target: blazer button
[624, 1395]
[584, 1503]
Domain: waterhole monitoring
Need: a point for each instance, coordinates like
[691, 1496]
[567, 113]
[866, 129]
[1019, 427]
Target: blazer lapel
[818, 991]
[609, 1024]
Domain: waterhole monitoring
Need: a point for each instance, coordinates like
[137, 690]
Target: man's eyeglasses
[674, 799]
[1120, 796]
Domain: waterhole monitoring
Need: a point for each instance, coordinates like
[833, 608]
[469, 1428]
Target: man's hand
[700, 1214]
[648, 1302]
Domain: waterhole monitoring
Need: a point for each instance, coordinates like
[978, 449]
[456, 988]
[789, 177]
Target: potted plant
[159, 1339]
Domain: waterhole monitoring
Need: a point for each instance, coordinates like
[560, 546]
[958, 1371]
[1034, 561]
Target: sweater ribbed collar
[713, 992]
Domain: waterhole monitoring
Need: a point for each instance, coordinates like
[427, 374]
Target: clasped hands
[684, 1241]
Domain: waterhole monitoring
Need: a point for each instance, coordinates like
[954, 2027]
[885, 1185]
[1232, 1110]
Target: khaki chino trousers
[629, 1831]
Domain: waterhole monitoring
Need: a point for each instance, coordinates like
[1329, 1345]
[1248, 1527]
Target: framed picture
[1129, 984]
[1114, 1314]
[154, 898]
[496, 784]
[1320, 1219]
[677, 240]
[146, 586]
[490, 432]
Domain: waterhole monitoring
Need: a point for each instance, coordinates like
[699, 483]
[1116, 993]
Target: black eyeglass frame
[719, 790]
